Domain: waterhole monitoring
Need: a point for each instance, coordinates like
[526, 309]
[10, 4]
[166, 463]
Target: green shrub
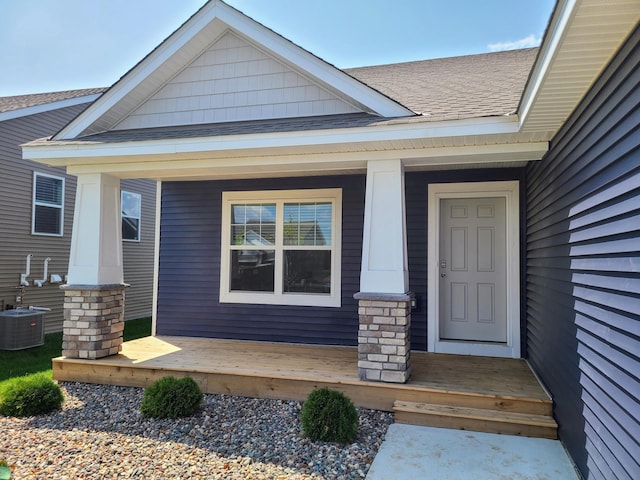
[30, 395]
[5, 471]
[171, 398]
[329, 416]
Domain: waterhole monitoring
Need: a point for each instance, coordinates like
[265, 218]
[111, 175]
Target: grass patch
[16, 363]
[137, 329]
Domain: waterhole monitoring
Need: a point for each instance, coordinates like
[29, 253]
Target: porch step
[476, 419]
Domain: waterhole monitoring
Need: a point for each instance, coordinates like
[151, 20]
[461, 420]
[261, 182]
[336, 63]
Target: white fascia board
[47, 107]
[557, 29]
[304, 61]
[304, 163]
[72, 151]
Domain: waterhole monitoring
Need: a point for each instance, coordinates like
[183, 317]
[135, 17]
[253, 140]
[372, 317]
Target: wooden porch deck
[445, 388]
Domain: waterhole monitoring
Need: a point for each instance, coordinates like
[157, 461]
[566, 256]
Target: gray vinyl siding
[189, 270]
[16, 240]
[138, 257]
[583, 273]
[16, 190]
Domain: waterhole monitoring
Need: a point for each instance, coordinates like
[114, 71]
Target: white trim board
[156, 260]
[508, 190]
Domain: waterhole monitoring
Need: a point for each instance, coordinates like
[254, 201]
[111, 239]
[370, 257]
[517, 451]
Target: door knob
[443, 274]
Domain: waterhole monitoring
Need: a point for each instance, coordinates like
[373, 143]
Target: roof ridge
[455, 57]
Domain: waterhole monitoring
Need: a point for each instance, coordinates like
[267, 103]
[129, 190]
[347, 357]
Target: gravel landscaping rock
[100, 433]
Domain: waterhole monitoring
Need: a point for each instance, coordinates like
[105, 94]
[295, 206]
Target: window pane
[47, 220]
[253, 224]
[291, 223]
[307, 223]
[130, 204]
[324, 216]
[48, 190]
[307, 271]
[252, 270]
[130, 229]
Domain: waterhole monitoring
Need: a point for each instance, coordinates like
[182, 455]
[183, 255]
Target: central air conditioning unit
[21, 328]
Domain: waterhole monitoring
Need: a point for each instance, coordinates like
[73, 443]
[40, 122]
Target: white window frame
[280, 197]
[122, 192]
[42, 204]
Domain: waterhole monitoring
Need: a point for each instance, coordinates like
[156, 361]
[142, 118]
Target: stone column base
[93, 320]
[384, 343]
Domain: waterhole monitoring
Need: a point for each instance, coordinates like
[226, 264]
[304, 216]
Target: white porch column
[384, 304]
[384, 244]
[94, 293]
[96, 245]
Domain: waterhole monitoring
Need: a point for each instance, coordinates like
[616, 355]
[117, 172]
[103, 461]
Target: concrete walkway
[425, 453]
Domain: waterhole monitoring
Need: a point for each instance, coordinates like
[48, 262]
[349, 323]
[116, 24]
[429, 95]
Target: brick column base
[384, 343]
[93, 320]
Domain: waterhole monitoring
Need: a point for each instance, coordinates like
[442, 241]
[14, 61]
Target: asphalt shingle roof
[279, 125]
[453, 88]
[17, 102]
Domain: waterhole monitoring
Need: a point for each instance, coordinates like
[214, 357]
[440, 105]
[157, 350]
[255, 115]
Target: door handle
[443, 275]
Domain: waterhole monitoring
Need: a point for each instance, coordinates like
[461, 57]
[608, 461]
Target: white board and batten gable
[222, 66]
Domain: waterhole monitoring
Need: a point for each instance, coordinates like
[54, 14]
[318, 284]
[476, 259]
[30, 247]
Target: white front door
[473, 300]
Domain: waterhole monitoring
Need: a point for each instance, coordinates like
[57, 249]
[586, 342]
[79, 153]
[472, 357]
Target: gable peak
[218, 29]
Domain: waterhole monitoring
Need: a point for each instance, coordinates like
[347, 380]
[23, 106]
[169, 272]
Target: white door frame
[510, 191]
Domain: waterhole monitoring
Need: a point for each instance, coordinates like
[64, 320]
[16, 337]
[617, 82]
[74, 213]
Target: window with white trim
[281, 247]
[131, 206]
[48, 205]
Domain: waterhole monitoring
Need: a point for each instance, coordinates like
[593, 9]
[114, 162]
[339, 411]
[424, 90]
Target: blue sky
[51, 45]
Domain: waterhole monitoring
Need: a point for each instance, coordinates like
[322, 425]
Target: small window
[281, 247]
[131, 207]
[48, 205]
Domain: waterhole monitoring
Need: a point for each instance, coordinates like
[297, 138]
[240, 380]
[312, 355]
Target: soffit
[583, 37]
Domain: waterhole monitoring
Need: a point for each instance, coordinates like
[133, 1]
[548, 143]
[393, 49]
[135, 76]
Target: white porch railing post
[384, 307]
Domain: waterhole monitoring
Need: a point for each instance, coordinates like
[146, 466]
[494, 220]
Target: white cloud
[526, 42]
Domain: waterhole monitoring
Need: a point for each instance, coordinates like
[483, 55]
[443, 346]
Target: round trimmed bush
[30, 395]
[5, 471]
[329, 416]
[171, 398]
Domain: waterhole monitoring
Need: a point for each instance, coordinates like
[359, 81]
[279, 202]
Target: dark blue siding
[190, 264]
[416, 188]
[583, 282]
